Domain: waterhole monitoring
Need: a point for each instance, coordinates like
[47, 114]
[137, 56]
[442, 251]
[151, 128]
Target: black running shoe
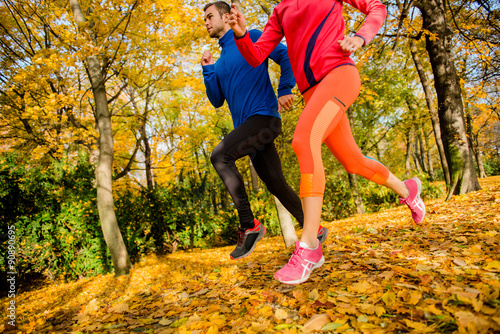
[247, 240]
[322, 234]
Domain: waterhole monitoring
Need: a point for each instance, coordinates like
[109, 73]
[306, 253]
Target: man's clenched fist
[206, 59]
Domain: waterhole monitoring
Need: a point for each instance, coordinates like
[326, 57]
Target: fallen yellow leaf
[120, 308]
[418, 326]
[281, 314]
[316, 322]
[493, 265]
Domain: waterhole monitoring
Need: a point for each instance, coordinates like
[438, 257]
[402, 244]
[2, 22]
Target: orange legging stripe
[323, 120]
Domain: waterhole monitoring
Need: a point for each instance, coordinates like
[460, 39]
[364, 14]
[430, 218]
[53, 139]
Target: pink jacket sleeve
[256, 53]
[375, 12]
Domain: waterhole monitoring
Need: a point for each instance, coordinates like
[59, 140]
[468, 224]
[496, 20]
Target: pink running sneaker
[301, 264]
[413, 200]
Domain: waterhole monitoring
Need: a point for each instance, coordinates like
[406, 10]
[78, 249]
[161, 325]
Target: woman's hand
[237, 21]
[351, 44]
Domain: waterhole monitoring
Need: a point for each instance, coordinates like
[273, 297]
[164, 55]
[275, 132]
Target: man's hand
[237, 21]
[285, 102]
[206, 59]
[351, 44]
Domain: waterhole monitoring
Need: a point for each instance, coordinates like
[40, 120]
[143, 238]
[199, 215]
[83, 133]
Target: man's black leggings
[255, 138]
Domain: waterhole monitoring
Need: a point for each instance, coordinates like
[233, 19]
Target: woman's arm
[375, 12]
[255, 53]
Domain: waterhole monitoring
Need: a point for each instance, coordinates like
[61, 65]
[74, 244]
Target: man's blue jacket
[248, 90]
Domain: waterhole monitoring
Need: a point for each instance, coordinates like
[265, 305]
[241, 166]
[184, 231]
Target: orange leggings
[323, 120]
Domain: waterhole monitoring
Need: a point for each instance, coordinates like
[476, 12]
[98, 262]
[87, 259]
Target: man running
[256, 119]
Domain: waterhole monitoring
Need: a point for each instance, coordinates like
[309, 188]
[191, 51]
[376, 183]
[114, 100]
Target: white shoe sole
[306, 277]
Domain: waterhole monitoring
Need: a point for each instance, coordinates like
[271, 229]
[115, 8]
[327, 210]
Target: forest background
[63, 61]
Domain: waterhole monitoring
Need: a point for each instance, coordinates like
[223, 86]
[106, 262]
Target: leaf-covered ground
[383, 274]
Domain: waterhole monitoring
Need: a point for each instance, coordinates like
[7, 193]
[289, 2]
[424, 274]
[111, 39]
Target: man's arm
[213, 89]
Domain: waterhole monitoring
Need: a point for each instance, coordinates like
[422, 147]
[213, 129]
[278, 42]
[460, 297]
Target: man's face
[215, 24]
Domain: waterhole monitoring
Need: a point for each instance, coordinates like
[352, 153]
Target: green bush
[338, 201]
[176, 215]
[54, 212]
[492, 166]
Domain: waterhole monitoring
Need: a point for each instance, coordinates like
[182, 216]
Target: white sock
[408, 192]
[306, 246]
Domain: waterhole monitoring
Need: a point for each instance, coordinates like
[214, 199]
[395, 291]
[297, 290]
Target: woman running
[329, 81]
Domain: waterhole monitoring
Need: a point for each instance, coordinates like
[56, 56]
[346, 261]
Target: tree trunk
[421, 155]
[147, 147]
[417, 151]
[463, 175]
[105, 205]
[408, 154]
[353, 179]
[353, 183]
[474, 145]
[286, 224]
[144, 138]
[224, 200]
[213, 198]
[172, 158]
[480, 165]
[253, 176]
[147, 156]
[432, 111]
[430, 166]
[416, 160]
[427, 152]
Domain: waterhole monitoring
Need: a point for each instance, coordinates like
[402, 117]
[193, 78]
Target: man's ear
[225, 17]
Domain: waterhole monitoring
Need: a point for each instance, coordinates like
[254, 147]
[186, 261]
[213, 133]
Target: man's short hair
[222, 7]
